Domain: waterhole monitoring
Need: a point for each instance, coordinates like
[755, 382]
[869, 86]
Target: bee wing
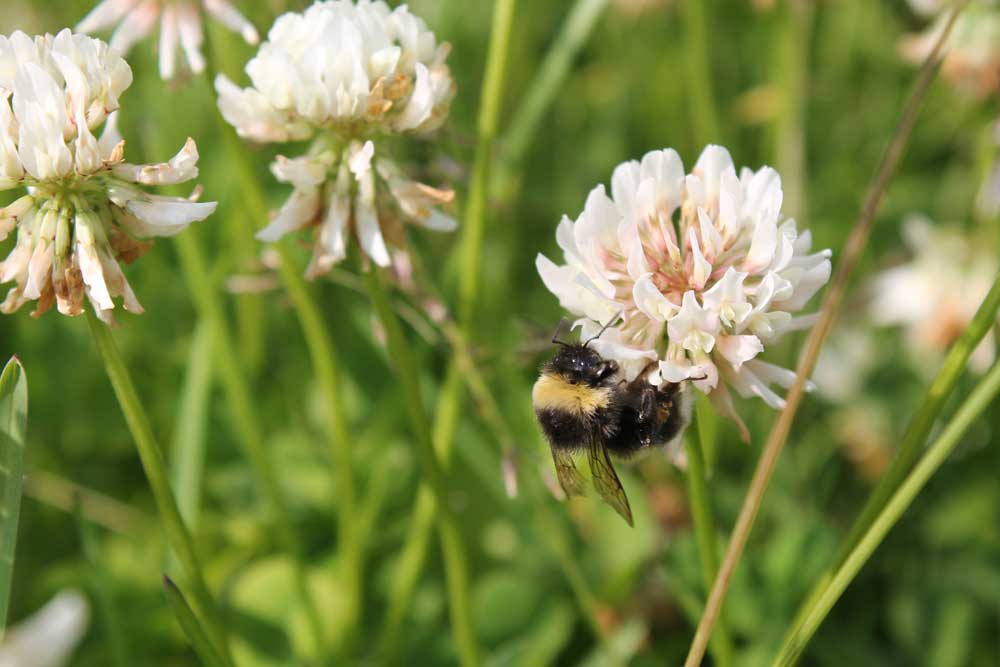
[569, 477]
[606, 480]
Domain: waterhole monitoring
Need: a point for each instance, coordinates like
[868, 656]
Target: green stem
[156, 473]
[978, 400]
[244, 419]
[708, 547]
[489, 117]
[325, 365]
[699, 73]
[446, 415]
[543, 89]
[456, 568]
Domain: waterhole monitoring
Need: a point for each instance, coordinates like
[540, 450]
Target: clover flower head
[701, 268]
[180, 22]
[972, 50]
[341, 73]
[935, 295]
[84, 210]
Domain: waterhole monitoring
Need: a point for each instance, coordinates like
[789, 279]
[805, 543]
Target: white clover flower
[935, 295]
[342, 72]
[972, 51]
[701, 267]
[180, 21]
[49, 637]
[83, 209]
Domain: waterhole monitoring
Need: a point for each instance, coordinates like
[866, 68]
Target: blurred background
[811, 88]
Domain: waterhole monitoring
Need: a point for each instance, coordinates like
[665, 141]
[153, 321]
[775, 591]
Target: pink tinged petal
[645, 205]
[702, 268]
[366, 218]
[230, 17]
[90, 262]
[110, 137]
[421, 103]
[333, 235]
[763, 192]
[722, 401]
[166, 216]
[624, 184]
[189, 26]
[694, 190]
[705, 376]
[168, 42]
[118, 284]
[730, 206]
[713, 162]
[637, 264]
[738, 350]
[693, 327]
[566, 240]
[709, 235]
[300, 209]
[810, 282]
[361, 158]
[762, 246]
[104, 15]
[599, 221]
[769, 326]
[727, 297]
[40, 108]
[182, 167]
[40, 264]
[650, 301]
[667, 171]
[137, 24]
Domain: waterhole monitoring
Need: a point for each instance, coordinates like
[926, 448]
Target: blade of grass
[322, 354]
[456, 568]
[188, 446]
[698, 70]
[980, 398]
[100, 586]
[916, 433]
[156, 472]
[704, 532]
[13, 428]
[853, 248]
[97, 508]
[189, 624]
[446, 415]
[543, 89]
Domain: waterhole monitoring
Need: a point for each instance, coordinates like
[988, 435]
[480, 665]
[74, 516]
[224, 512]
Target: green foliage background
[931, 596]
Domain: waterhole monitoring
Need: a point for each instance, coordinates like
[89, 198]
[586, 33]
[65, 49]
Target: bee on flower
[342, 73]
[702, 267]
[84, 210]
[180, 24]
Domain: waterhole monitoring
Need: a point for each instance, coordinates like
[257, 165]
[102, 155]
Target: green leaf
[13, 424]
[191, 626]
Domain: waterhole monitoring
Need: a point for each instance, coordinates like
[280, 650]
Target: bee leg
[647, 415]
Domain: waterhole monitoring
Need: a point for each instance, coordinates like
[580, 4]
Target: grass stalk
[470, 249]
[325, 364]
[915, 435]
[244, 419]
[156, 472]
[203, 648]
[703, 518]
[981, 397]
[854, 246]
[543, 89]
[188, 447]
[698, 71]
[456, 568]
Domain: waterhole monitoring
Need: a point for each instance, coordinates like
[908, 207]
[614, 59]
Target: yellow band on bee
[553, 393]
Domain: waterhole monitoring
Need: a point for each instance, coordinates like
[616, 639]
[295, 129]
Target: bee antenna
[604, 328]
[558, 332]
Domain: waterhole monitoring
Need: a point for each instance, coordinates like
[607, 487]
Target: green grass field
[814, 89]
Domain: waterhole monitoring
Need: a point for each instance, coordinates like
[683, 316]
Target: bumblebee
[582, 403]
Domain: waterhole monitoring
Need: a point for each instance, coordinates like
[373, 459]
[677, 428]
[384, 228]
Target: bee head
[581, 365]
